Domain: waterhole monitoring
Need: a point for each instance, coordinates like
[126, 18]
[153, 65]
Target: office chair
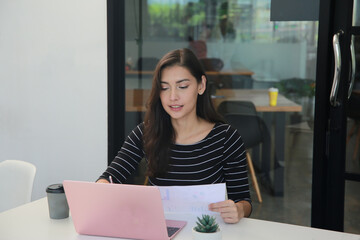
[212, 64]
[16, 183]
[215, 65]
[242, 115]
[199, 48]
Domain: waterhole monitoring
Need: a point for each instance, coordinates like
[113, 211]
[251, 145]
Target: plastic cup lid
[55, 188]
[272, 89]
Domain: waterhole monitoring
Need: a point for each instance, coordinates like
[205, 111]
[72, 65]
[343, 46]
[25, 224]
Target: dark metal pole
[139, 42]
[116, 76]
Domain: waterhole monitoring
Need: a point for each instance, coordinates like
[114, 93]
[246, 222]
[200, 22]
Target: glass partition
[240, 49]
[356, 13]
[353, 113]
[238, 34]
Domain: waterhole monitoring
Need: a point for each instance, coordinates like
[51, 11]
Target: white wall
[53, 84]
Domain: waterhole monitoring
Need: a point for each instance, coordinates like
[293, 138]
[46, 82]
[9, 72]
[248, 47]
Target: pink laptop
[119, 210]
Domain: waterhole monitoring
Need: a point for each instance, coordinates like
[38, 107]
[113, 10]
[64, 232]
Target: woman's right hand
[102, 180]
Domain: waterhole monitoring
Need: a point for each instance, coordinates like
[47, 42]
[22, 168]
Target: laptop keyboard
[172, 230]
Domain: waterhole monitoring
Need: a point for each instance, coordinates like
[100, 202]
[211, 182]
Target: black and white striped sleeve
[235, 167]
[128, 158]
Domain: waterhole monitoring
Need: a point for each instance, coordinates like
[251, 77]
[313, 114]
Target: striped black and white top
[218, 158]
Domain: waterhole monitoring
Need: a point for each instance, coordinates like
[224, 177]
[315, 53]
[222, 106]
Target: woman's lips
[176, 107]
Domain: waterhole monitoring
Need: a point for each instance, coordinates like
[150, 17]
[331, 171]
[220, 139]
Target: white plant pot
[206, 236]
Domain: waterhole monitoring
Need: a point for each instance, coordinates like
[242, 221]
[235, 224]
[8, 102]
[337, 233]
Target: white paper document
[193, 199]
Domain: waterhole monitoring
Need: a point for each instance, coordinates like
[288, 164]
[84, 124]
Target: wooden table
[243, 72]
[259, 97]
[356, 91]
[136, 99]
[224, 78]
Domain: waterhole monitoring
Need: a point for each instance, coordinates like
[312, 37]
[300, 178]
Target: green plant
[206, 224]
[295, 88]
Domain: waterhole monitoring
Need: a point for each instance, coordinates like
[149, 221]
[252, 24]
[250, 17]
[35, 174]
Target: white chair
[16, 183]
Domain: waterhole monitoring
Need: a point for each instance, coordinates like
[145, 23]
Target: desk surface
[32, 222]
[356, 91]
[136, 99]
[243, 72]
[259, 97]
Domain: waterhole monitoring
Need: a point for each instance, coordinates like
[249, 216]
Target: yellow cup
[273, 93]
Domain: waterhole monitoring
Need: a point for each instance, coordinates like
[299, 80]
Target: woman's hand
[102, 180]
[230, 211]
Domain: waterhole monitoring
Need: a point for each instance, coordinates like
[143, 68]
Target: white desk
[32, 222]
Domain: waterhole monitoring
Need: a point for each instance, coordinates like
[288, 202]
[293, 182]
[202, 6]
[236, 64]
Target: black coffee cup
[58, 205]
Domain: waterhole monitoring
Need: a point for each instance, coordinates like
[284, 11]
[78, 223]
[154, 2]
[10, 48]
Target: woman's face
[179, 92]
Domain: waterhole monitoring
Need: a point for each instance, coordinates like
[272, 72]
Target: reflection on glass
[356, 41]
[240, 48]
[234, 36]
[352, 210]
[356, 13]
[353, 114]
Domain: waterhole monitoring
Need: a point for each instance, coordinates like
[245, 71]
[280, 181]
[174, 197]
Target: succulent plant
[206, 224]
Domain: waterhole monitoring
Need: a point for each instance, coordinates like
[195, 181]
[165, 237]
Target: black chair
[212, 64]
[242, 115]
[215, 81]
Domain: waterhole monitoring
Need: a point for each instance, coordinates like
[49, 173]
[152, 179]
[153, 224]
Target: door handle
[353, 66]
[337, 71]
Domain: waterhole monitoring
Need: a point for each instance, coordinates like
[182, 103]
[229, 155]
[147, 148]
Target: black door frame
[328, 185]
[116, 76]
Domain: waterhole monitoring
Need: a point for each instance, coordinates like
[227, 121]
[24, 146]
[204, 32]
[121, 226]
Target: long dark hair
[158, 130]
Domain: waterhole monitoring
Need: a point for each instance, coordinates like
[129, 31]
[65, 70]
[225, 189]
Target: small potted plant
[206, 229]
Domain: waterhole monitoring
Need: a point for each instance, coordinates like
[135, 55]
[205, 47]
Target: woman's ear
[202, 85]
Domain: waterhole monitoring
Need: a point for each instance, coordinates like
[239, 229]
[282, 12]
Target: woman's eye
[164, 88]
[183, 87]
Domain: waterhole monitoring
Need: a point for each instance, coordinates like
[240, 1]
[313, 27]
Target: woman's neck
[186, 125]
[191, 131]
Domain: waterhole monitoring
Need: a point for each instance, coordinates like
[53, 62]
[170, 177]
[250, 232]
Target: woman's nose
[173, 95]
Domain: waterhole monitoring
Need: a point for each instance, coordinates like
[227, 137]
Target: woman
[184, 140]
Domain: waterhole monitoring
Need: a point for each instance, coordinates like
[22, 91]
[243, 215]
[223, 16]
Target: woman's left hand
[230, 211]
